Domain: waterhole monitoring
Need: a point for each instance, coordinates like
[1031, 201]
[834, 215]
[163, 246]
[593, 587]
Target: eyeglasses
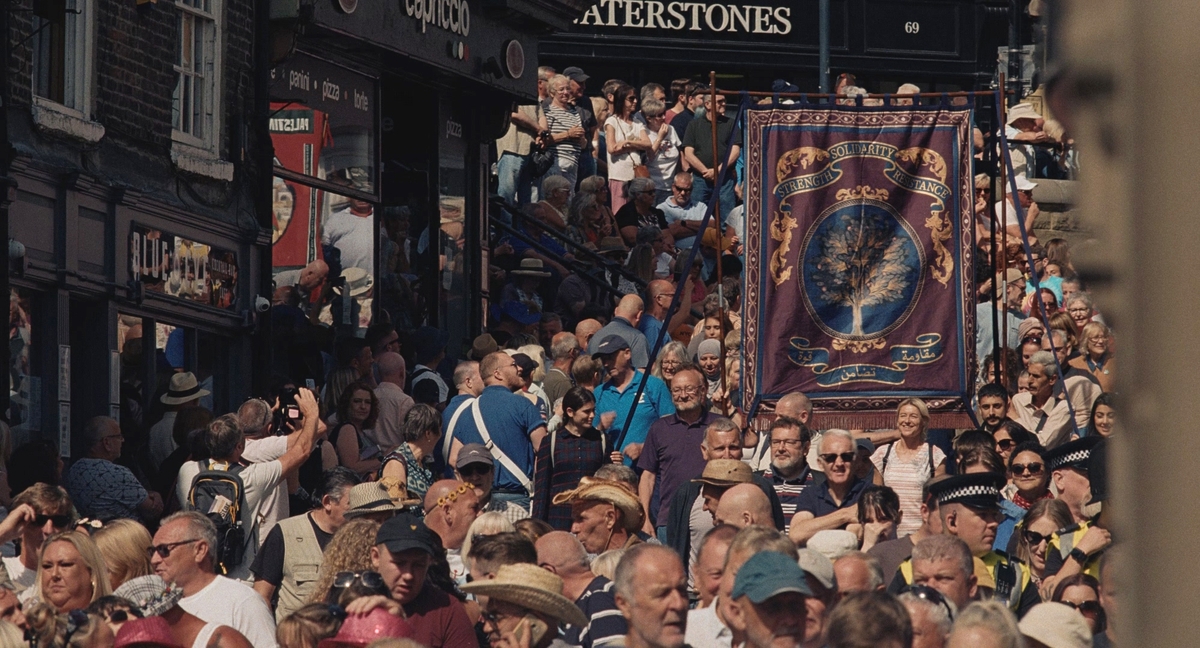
[830, 458]
[164, 550]
[369, 579]
[1005, 444]
[791, 443]
[1034, 538]
[682, 189]
[927, 593]
[1032, 468]
[1087, 608]
[1082, 311]
[59, 521]
[685, 390]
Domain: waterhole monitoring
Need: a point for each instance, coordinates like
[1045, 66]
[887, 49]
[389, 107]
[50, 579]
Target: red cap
[358, 631]
[151, 631]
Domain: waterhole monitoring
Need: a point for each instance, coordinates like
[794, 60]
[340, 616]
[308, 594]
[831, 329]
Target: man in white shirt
[182, 555]
[683, 215]
[227, 444]
[1039, 410]
[393, 402]
[255, 418]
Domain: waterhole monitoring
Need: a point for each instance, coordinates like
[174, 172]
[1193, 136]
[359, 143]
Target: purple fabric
[672, 453]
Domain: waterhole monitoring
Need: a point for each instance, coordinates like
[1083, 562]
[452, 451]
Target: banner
[183, 268]
[859, 281]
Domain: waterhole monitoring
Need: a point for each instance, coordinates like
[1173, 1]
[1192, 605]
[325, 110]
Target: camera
[288, 412]
[261, 304]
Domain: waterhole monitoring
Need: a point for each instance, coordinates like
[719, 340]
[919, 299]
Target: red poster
[298, 133]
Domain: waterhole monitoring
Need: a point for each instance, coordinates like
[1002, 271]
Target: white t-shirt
[22, 578]
[664, 165]
[275, 506]
[230, 603]
[260, 480]
[620, 165]
[354, 236]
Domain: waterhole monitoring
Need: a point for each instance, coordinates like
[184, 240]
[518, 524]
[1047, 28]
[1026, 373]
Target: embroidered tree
[861, 263]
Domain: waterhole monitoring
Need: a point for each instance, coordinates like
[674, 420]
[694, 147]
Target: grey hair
[558, 81]
[993, 616]
[580, 202]
[829, 434]
[555, 182]
[1044, 358]
[1079, 297]
[648, 234]
[939, 614]
[254, 415]
[463, 371]
[96, 428]
[719, 424]
[200, 526]
[874, 569]
[223, 436]
[565, 346]
[545, 72]
[638, 185]
[627, 569]
[945, 547]
[617, 472]
[652, 107]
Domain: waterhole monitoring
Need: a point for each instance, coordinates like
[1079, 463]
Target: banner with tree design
[859, 261]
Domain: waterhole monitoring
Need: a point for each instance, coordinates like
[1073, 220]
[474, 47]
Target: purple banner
[859, 281]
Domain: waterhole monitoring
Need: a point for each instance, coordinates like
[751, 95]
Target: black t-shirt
[628, 216]
[268, 564]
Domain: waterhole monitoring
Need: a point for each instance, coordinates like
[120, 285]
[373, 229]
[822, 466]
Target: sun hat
[150, 631]
[373, 497]
[530, 587]
[1028, 325]
[531, 268]
[150, 593]
[1021, 111]
[725, 473]
[610, 244]
[767, 574]
[363, 629]
[183, 389]
[1056, 625]
[619, 494]
[358, 280]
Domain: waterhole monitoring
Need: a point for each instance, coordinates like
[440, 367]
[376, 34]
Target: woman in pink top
[905, 466]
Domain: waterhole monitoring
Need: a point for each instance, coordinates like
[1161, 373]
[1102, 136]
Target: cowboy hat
[373, 497]
[619, 494]
[531, 268]
[1021, 111]
[183, 389]
[359, 281]
[530, 587]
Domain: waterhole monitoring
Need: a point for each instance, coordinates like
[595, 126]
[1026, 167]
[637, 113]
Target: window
[197, 64]
[61, 56]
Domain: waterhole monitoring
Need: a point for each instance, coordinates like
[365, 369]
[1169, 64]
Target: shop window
[24, 381]
[195, 103]
[61, 55]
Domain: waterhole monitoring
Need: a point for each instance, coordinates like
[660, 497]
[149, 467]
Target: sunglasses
[1034, 538]
[832, 457]
[57, 520]
[1087, 608]
[1037, 339]
[1031, 468]
[369, 579]
[929, 594]
[682, 189]
[1005, 444]
[164, 550]
[475, 470]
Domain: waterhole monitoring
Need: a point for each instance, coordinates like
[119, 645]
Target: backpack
[219, 494]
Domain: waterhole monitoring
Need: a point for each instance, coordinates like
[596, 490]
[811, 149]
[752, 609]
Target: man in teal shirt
[614, 398]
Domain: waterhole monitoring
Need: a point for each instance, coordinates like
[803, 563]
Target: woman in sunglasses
[1009, 435]
[1029, 481]
[1043, 519]
[1082, 592]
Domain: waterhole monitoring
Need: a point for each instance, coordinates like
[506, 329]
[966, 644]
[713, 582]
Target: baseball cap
[768, 574]
[575, 74]
[474, 453]
[815, 564]
[403, 532]
[611, 344]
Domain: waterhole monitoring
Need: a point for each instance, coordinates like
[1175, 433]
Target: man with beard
[789, 473]
[993, 406]
[768, 601]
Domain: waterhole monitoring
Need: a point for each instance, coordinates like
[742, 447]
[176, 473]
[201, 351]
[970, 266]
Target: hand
[876, 532]
[503, 249]
[1095, 539]
[365, 604]
[847, 515]
[576, 132]
[14, 524]
[307, 403]
[1049, 584]
[518, 638]
[710, 175]
[607, 419]
[662, 130]
[616, 457]
[633, 451]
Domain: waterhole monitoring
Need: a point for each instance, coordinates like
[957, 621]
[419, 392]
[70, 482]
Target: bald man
[450, 508]
[584, 331]
[744, 505]
[561, 553]
[626, 317]
[659, 294]
[393, 402]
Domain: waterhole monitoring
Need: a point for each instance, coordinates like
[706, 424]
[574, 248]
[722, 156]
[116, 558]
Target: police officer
[1078, 548]
[969, 506]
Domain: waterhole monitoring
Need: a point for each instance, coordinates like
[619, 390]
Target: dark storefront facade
[941, 45]
[382, 121]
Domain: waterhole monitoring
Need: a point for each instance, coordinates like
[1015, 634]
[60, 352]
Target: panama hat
[619, 494]
[373, 497]
[531, 268]
[530, 587]
[183, 389]
[359, 281]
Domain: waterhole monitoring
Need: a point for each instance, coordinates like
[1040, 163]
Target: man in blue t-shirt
[512, 424]
[615, 398]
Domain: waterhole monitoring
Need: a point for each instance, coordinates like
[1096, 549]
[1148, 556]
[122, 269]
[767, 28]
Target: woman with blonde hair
[71, 572]
[490, 523]
[907, 464]
[669, 360]
[122, 544]
[348, 550]
[51, 628]
[1095, 355]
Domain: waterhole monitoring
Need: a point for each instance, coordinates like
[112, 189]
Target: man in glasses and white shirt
[832, 504]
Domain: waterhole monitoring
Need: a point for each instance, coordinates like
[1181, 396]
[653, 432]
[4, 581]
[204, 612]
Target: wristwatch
[1079, 556]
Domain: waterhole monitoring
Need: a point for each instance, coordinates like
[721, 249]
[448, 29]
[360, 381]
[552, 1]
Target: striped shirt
[562, 120]
[605, 622]
[907, 477]
[789, 491]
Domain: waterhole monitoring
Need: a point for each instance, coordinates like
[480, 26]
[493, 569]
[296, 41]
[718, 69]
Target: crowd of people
[583, 474]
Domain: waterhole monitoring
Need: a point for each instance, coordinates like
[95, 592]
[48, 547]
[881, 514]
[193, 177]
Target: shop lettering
[298, 79]
[453, 128]
[453, 16]
[331, 91]
[361, 101]
[689, 16]
[291, 125]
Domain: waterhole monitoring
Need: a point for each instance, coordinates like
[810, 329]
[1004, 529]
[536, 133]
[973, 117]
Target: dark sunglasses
[1005, 444]
[1032, 468]
[1033, 538]
[1031, 338]
[370, 579]
[57, 520]
[830, 458]
[1087, 608]
[682, 189]
[929, 594]
[474, 470]
[164, 550]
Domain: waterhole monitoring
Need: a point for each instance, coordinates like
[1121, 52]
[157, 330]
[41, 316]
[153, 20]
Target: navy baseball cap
[768, 574]
[575, 74]
[611, 344]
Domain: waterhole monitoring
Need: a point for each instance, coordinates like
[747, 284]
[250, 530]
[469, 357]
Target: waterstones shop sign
[688, 18]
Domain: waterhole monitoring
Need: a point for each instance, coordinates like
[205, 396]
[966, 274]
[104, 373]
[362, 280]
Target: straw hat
[531, 268]
[611, 244]
[183, 389]
[373, 497]
[725, 473]
[359, 281]
[530, 587]
[1021, 111]
[619, 494]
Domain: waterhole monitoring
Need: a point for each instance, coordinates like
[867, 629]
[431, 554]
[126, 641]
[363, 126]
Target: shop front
[382, 120]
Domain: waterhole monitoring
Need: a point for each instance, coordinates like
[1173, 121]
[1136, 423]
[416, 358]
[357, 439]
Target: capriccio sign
[453, 16]
[688, 16]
